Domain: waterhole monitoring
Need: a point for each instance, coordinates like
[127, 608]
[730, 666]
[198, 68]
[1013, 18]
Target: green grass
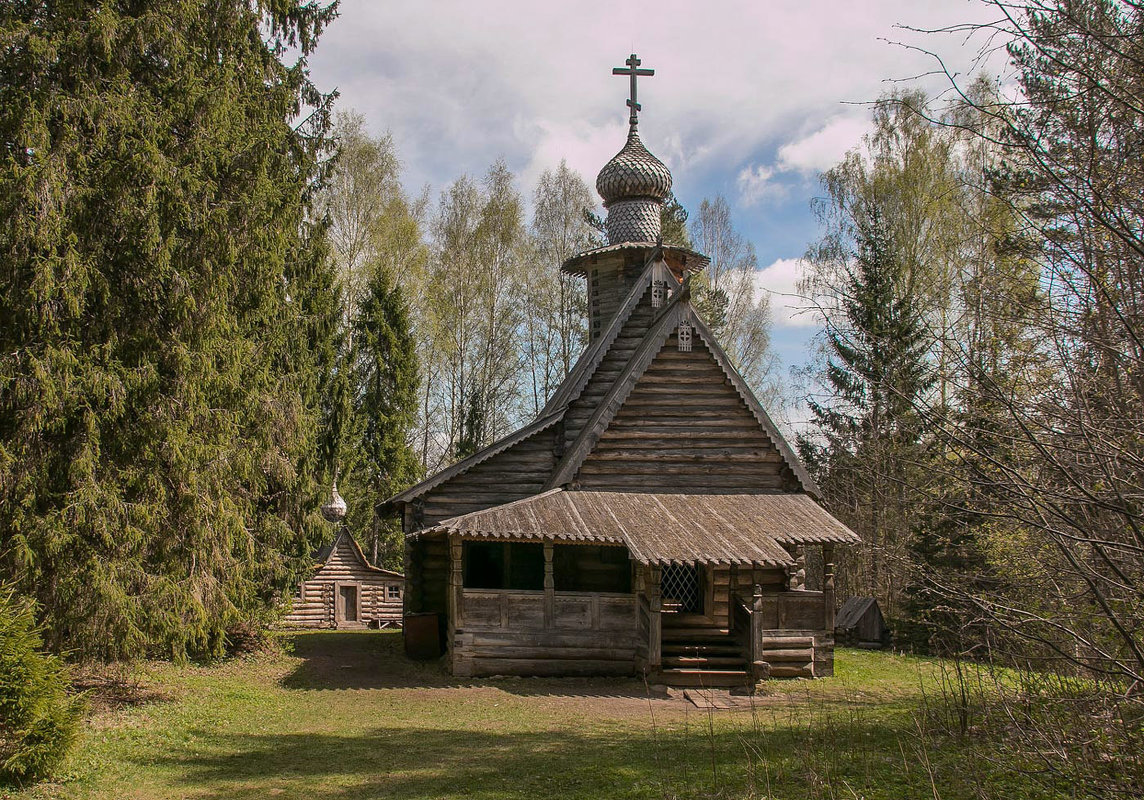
[344, 715]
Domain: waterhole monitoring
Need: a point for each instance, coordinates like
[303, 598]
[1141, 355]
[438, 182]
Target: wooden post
[760, 669]
[549, 587]
[456, 584]
[655, 623]
[828, 586]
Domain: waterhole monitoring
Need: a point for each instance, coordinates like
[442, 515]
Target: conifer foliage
[384, 379]
[166, 309]
[39, 722]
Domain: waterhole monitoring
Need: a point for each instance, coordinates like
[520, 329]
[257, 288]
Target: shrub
[39, 720]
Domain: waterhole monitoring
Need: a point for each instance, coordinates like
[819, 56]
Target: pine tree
[384, 379]
[167, 309]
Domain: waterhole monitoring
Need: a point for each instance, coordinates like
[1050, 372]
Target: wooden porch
[748, 626]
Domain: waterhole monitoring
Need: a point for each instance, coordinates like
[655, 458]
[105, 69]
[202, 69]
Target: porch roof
[662, 528]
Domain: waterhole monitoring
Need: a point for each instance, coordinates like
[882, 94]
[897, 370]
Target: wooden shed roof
[663, 528]
[323, 555]
[853, 610]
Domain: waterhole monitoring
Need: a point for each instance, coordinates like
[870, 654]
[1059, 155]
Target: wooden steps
[703, 656]
[706, 678]
[789, 656]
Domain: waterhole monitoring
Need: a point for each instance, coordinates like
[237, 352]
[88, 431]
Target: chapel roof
[677, 310]
[343, 535]
[662, 528]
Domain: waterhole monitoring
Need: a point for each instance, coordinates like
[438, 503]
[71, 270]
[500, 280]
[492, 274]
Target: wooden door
[347, 603]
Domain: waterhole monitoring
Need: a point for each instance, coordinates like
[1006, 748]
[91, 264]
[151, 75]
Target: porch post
[655, 623]
[456, 584]
[549, 587]
[760, 669]
[828, 586]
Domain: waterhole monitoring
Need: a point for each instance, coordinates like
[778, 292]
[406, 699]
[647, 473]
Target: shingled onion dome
[634, 185]
[335, 510]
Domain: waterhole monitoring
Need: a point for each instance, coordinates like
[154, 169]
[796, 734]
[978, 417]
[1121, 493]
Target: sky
[750, 100]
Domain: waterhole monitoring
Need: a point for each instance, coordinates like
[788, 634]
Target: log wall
[506, 632]
[518, 472]
[684, 427]
[609, 369]
[609, 282]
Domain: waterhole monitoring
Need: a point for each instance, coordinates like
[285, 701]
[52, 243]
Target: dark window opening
[503, 565]
[588, 568]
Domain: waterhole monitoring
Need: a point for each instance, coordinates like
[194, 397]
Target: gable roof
[343, 535]
[854, 609]
[587, 364]
[557, 405]
[464, 465]
[663, 528]
[678, 309]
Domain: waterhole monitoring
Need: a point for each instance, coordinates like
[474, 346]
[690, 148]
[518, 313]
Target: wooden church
[651, 520]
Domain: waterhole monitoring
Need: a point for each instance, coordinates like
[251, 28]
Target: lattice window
[679, 587]
[658, 293]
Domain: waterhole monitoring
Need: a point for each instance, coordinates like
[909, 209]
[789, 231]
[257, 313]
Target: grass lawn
[344, 715]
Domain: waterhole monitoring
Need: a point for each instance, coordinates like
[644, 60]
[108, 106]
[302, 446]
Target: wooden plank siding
[511, 475]
[685, 428]
[506, 632]
[315, 604]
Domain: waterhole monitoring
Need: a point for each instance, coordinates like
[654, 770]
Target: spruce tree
[167, 310]
[384, 378]
[868, 432]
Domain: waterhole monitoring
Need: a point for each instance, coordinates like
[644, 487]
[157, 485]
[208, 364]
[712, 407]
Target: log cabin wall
[518, 472]
[685, 428]
[506, 632]
[379, 594]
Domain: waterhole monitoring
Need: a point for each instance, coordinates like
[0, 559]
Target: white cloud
[825, 147]
[779, 282]
[754, 183]
[451, 77]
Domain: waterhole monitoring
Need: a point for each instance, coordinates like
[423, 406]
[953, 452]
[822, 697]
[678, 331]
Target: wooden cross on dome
[633, 70]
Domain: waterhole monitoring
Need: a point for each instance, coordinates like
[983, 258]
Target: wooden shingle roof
[343, 535]
[662, 528]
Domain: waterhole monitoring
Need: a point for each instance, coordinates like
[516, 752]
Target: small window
[393, 591]
[503, 565]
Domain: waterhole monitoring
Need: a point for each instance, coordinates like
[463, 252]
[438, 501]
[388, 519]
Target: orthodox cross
[633, 70]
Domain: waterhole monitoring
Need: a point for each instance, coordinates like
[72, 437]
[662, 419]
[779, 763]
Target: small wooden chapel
[651, 520]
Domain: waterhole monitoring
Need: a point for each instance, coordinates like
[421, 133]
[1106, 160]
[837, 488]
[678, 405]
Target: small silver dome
[335, 510]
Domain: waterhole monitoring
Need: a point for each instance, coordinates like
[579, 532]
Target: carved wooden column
[549, 587]
[655, 623]
[799, 579]
[828, 586]
[760, 668]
